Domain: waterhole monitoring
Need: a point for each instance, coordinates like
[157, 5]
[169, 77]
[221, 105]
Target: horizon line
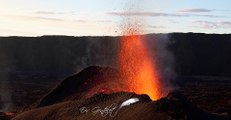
[113, 35]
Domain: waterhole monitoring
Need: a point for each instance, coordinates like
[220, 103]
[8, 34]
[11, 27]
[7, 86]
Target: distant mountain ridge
[195, 54]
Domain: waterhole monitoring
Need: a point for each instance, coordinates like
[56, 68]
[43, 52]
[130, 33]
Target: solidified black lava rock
[82, 85]
[178, 107]
[3, 116]
[71, 100]
[107, 106]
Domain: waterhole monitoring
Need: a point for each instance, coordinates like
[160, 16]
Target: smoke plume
[5, 93]
[159, 46]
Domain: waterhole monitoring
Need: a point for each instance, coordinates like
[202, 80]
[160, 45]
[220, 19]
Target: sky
[107, 17]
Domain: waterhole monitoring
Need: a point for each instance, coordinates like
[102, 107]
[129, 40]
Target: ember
[138, 66]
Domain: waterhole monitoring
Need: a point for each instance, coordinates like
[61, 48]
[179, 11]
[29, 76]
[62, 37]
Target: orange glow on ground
[137, 66]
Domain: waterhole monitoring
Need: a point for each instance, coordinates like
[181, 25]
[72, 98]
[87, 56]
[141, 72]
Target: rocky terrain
[34, 75]
[108, 106]
[68, 101]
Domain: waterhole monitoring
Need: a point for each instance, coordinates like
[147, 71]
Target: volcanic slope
[84, 84]
[108, 107]
[93, 94]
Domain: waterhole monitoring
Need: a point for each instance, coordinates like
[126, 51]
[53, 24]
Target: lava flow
[137, 65]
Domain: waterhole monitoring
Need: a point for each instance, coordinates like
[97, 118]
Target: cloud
[41, 18]
[197, 10]
[200, 10]
[173, 21]
[47, 12]
[210, 16]
[159, 14]
[155, 27]
[93, 21]
[104, 21]
[53, 19]
[213, 25]
[81, 21]
[33, 18]
[151, 14]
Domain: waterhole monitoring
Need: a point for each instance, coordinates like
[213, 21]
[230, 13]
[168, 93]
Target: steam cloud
[158, 45]
[5, 93]
[98, 51]
[5, 96]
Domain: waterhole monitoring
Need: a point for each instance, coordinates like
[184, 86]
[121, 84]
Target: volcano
[84, 84]
[95, 94]
[108, 107]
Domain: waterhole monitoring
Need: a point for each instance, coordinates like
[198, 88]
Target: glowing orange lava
[137, 65]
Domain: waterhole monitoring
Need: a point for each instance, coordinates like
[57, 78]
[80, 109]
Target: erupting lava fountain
[137, 65]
